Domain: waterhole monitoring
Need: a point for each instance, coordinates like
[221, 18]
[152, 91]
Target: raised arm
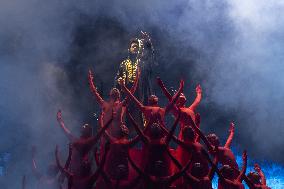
[138, 130]
[257, 168]
[130, 95]
[231, 136]
[164, 89]
[171, 133]
[175, 97]
[66, 131]
[94, 89]
[61, 168]
[36, 173]
[244, 168]
[197, 99]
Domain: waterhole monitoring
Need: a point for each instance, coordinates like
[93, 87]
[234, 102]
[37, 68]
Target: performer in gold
[141, 55]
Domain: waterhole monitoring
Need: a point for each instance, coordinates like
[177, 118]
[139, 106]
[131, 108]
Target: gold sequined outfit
[128, 71]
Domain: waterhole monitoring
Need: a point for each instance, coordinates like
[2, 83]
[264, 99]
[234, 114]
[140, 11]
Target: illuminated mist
[234, 48]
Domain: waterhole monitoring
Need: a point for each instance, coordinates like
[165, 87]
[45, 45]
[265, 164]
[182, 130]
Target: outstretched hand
[145, 36]
[198, 89]
[59, 116]
[90, 75]
[257, 168]
[232, 127]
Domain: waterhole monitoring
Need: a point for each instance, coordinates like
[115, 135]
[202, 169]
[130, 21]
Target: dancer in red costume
[224, 153]
[190, 149]
[158, 181]
[227, 180]
[117, 159]
[186, 111]
[118, 182]
[256, 180]
[48, 180]
[156, 161]
[113, 105]
[82, 145]
[85, 179]
[152, 112]
[198, 177]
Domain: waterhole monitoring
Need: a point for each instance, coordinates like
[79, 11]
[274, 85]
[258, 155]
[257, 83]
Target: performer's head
[86, 130]
[153, 100]
[254, 177]
[199, 170]
[213, 139]
[227, 171]
[188, 133]
[155, 131]
[181, 100]
[52, 170]
[133, 46]
[114, 94]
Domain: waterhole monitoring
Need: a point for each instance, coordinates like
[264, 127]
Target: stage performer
[190, 149]
[187, 112]
[256, 180]
[199, 176]
[224, 153]
[113, 106]
[141, 56]
[152, 112]
[155, 158]
[83, 145]
[158, 181]
[228, 179]
[117, 181]
[117, 159]
[85, 179]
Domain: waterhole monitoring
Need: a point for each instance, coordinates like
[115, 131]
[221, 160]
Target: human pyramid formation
[121, 163]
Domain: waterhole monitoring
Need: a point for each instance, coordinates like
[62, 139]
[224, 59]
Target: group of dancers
[146, 158]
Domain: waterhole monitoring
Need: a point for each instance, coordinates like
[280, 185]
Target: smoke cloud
[234, 48]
